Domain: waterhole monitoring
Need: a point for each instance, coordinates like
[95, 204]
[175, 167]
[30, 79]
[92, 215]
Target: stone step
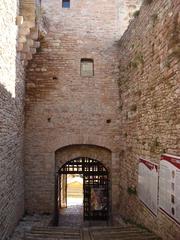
[53, 233]
[123, 236]
[50, 238]
[57, 235]
[92, 233]
[51, 228]
[32, 237]
[123, 233]
[54, 237]
[77, 231]
[116, 229]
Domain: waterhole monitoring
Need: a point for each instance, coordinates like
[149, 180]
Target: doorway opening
[82, 187]
[74, 190]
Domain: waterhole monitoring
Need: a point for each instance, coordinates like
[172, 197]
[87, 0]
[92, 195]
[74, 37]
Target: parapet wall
[149, 103]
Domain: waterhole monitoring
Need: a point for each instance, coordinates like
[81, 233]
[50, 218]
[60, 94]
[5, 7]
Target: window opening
[87, 67]
[66, 3]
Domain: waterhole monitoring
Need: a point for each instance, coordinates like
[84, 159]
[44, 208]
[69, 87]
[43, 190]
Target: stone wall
[11, 122]
[149, 103]
[64, 108]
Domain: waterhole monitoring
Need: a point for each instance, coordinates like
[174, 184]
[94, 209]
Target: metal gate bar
[95, 183]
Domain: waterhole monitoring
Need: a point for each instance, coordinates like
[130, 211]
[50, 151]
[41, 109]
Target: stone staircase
[121, 233]
[53, 233]
[91, 233]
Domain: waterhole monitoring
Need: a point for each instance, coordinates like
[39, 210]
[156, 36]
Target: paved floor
[73, 216]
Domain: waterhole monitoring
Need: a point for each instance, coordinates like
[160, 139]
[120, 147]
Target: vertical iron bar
[56, 210]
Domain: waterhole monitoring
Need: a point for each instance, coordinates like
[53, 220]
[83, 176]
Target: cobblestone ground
[30, 221]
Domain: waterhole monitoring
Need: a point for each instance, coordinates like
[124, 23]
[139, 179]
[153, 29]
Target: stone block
[33, 50]
[19, 20]
[36, 44]
[22, 39]
[34, 34]
[24, 31]
[26, 48]
[30, 42]
[20, 47]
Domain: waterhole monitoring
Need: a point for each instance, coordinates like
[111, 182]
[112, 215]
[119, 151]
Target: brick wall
[149, 103]
[137, 119]
[64, 108]
[12, 63]
[11, 122]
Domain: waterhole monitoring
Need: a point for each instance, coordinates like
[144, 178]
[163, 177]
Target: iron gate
[95, 186]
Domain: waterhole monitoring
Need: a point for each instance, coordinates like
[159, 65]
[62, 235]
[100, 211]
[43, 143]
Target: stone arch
[60, 141]
[70, 152]
[64, 143]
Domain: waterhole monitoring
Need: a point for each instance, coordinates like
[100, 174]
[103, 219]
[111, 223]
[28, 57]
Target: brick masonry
[149, 103]
[64, 108]
[128, 109]
[11, 122]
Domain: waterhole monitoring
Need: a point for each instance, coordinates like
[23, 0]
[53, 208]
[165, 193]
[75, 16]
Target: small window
[87, 67]
[66, 3]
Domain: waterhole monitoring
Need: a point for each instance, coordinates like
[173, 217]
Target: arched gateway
[95, 187]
